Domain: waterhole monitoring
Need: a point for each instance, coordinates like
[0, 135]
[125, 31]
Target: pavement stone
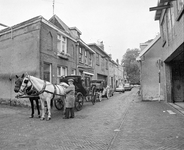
[123, 122]
[149, 126]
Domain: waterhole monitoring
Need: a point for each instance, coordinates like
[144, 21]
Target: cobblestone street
[92, 128]
[122, 122]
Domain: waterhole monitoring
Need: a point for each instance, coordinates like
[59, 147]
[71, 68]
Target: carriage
[100, 89]
[81, 92]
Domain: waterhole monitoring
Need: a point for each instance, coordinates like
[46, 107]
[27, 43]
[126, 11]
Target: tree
[130, 64]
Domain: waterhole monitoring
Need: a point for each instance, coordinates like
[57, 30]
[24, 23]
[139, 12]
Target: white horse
[46, 91]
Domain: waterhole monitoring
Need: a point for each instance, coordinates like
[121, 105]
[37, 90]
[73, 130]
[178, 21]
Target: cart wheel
[59, 103]
[93, 96]
[100, 96]
[93, 99]
[79, 99]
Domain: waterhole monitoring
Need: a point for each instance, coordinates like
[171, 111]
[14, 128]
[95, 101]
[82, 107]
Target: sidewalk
[151, 126]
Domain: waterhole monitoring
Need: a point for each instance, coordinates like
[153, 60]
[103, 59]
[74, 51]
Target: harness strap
[54, 92]
[43, 89]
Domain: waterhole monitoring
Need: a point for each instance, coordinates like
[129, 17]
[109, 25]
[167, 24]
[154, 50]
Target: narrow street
[92, 128]
[122, 122]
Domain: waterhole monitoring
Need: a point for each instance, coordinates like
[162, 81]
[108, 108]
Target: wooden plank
[159, 7]
[163, 1]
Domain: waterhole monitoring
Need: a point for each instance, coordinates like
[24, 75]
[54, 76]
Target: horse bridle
[25, 87]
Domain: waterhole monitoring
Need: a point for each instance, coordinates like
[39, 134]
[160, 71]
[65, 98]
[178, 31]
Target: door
[178, 82]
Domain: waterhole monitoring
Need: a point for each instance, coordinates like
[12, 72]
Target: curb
[177, 107]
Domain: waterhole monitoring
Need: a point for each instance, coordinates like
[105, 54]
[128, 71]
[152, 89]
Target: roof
[148, 47]
[84, 44]
[61, 24]
[94, 44]
[35, 19]
[32, 21]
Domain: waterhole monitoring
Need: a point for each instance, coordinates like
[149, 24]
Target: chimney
[75, 31]
[110, 55]
[100, 44]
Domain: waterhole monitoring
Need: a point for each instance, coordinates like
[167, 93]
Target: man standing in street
[70, 100]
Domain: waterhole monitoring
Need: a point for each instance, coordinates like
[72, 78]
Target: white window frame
[61, 71]
[50, 71]
[73, 72]
[61, 44]
[180, 5]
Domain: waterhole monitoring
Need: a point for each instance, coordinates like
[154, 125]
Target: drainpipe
[159, 79]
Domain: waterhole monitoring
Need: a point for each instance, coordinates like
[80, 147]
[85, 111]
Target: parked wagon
[81, 93]
[100, 89]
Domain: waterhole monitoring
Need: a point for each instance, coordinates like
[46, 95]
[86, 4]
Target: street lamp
[7, 27]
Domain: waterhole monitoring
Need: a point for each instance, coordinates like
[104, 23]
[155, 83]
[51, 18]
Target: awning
[88, 73]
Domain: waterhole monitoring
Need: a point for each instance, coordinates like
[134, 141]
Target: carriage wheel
[59, 103]
[93, 96]
[79, 99]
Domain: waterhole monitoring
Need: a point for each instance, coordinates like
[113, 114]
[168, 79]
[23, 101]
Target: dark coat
[70, 97]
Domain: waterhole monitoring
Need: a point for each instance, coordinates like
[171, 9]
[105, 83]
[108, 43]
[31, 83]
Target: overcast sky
[120, 24]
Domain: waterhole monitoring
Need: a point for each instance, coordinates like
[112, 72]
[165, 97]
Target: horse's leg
[48, 100]
[37, 106]
[32, 108]
[43, 110]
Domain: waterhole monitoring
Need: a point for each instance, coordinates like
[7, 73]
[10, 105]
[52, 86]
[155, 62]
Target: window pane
[47, 73]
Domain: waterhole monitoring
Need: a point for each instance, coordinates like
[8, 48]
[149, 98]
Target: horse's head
[26, 83]
[22, 83]
[18, 83]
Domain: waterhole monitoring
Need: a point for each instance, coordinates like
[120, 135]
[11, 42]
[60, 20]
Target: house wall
[176, 37]
[100, 69]
[49, 54]
[149, 73]
[19, 54]
[172, 49]
[111, 75]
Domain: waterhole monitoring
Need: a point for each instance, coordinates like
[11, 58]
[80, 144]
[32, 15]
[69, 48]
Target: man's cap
[70, 80]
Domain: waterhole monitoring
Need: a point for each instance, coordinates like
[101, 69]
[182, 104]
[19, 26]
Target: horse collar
[43, 89]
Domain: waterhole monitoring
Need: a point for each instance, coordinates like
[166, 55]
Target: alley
[122, 122]
[92, 128]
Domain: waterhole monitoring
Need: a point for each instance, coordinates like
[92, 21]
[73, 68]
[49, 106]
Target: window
[73, 72]
[164, 30]
[97, 59]
[171, 21]
[61, 44]
[49, 41]
[90, 59]
[106, 64]
[80, 55]
[180, 4]
[85, 57]
[61, 71]
[47, 72]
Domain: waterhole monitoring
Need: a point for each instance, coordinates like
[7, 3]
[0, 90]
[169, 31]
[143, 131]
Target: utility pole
[53, 6]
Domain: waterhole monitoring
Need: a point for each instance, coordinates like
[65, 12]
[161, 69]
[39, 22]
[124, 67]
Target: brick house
[101, 60]
[40, 48]
[170, 15]
[83, 54]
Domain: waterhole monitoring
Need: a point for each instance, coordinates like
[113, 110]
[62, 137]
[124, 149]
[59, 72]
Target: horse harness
[31, 91]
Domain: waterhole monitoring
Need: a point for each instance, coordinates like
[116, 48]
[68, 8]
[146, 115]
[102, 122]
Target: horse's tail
[51, 103]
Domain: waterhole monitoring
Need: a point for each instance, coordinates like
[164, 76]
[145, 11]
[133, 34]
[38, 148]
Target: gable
[56, 23]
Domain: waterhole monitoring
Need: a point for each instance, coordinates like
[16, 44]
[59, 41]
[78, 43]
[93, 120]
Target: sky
[120, 24]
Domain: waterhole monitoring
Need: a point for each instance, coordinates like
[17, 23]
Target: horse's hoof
[32, 116]
[39, 116]
[42, 118]
[49, 118]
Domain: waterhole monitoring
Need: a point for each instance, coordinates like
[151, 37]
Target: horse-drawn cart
[80, 92]
[100, 89]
